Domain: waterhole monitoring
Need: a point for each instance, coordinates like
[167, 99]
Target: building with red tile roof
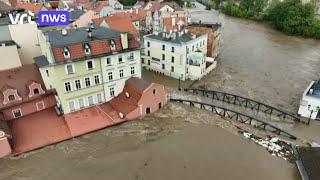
[139, 98]
[89, 66]
[118, 22]
[33, 7]
[23, 92]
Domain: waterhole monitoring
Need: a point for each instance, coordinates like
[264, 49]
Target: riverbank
[290, 17]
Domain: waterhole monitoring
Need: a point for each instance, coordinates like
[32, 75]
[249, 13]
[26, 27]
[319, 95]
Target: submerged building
[178, 54]
[310, 102]
[87, 66]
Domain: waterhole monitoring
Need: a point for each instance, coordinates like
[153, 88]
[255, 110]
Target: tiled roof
[33, 7]
[157, 5]
[167, 22]
[19, 79]
[119, 23]
[4, 8]
[134, 87]
[76, 38]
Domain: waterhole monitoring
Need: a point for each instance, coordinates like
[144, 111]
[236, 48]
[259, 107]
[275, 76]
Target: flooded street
[166, 145]
[180, 142]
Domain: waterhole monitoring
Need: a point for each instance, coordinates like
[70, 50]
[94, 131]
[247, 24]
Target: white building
[180, 55]
[310, 102]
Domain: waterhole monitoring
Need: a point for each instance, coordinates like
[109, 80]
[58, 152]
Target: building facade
[87, 67]
[180, 55]
[310, 102]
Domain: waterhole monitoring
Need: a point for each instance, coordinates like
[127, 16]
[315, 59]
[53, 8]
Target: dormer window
[112, 45]
[66, 52]
[87, 49]
[11, 97]
[36, 91]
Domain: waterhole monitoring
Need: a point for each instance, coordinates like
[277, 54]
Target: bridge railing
[245, 102]
[224, 112]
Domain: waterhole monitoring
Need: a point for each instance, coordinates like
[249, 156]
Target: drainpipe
[102, 81]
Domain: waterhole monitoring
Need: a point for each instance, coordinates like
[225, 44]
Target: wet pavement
[181, 142]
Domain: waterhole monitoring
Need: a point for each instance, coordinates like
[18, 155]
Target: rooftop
[79, 35]
[310, 158]
[20, 78]
[314, 90]
[174, 37]
[5, 8]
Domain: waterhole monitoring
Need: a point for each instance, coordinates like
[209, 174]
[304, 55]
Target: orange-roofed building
[33, 7]
[23, 92]
[139, 98]
[120, 23]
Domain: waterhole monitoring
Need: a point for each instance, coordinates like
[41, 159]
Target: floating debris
[274, 146]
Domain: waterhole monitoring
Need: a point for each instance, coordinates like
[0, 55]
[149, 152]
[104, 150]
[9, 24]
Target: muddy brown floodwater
[180, 142]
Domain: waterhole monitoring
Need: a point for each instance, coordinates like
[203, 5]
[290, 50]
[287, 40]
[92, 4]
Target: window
[78, 84]
[96, 79]
[163, 47]
[90, 65]
[148, 110]
[67, 86]
[70, 69]
[112, 45]
[72, 106]
[163, 66]
[148, 44]
[112, 92]
[87, 81]
[81, 103]
[142, 60]
[108, 61]
[87, 49]
[90, 100]
[172, 69]
[172, 49]
[121, 73]
[47, 71]
[163, 57]
[149, 62]
[11, 97]
[40, 106]
[99, 98]
[132, 70]
[120, 58]
[17, 113]
[36, 91]
[66, 52]
[110, 77]
[172, 59]
[131, 57]
[192, 47]
[148, 53]
[154, 91]
[187, 50]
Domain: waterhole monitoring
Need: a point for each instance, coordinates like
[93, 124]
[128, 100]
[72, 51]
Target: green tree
[293, 17]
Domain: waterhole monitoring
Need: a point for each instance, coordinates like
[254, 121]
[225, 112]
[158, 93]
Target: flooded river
[184, 143]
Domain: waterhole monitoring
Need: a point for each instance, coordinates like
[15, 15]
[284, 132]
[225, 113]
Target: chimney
[124, 40]
[137, 10]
